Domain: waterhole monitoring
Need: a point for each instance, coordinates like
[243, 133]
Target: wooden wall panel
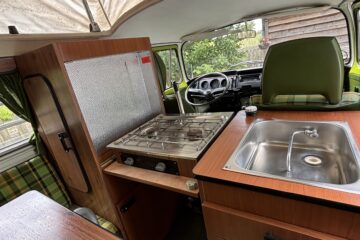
[47, 62]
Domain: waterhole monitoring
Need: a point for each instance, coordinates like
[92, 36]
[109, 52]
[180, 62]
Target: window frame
[348, 63]
[171, 47]
[15, 146]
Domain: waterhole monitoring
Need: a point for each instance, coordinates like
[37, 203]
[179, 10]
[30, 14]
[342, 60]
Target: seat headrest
[304, 67]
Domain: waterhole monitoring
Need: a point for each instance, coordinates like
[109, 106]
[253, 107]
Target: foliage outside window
[232, 52]
[172, 65]
[13, 130]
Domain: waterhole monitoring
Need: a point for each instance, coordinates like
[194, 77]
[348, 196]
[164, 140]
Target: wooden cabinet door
[148, 212]
[229, 224]
[54, 132]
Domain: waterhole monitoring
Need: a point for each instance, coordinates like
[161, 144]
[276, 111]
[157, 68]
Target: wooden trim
[153, 178]
[212, 163]
[7, 64]
[77, 50]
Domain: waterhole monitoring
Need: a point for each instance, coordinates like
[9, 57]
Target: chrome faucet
[308, 132]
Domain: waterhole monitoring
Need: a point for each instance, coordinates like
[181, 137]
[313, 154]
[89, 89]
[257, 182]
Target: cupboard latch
[65, 141]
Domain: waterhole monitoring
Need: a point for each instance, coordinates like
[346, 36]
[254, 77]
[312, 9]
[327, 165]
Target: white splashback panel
[116, 94]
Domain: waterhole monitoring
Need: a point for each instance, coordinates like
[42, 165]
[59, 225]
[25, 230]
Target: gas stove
[174, 136]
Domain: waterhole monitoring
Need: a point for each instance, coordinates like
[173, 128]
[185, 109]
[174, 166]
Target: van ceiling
[169, 20]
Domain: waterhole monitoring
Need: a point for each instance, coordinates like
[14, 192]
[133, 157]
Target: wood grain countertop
[212, 163]
[35, 216]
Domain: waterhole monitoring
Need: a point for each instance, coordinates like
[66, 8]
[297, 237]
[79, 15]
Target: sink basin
[330, 159]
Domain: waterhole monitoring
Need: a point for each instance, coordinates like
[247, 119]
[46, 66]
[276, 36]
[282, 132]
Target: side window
[14, 131]
[170, 59]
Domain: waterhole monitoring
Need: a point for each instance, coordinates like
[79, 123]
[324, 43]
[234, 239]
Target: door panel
[57, 139]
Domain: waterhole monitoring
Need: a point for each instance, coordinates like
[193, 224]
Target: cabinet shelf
[162, 180]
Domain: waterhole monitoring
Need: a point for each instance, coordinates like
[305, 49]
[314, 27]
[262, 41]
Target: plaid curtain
[13, 96]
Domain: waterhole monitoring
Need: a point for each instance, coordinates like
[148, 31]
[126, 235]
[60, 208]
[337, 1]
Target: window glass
[13, 130]
[235, 52]
[171, 61]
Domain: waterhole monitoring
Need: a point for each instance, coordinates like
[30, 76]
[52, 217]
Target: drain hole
[312, 160]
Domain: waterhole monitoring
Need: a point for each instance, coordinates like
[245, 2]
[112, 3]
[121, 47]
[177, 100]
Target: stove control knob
[192, 184]
[160, 167]
[129, 161]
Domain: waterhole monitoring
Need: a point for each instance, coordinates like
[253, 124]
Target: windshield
[233, 52]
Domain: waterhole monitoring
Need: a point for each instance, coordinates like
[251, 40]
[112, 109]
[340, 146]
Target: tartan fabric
[347, 98]
[38, 174]
[35, 174]
[107, 225]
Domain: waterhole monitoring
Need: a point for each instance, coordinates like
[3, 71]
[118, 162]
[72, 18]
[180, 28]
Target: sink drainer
[313, 160]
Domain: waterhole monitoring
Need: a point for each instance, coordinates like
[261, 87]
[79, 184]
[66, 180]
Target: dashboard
[238, 82]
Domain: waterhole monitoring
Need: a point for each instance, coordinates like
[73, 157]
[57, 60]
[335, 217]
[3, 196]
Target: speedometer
[223, 83]
[215, 83]
[204, 85]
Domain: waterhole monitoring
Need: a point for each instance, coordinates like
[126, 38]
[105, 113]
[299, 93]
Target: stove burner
[150, 132]
[176, 136]
[195, 134]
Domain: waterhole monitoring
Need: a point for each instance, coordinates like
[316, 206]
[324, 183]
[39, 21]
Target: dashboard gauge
[215, 83]
[204, 85]
[223, 83]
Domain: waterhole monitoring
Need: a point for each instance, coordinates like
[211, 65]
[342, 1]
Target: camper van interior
[179, 120]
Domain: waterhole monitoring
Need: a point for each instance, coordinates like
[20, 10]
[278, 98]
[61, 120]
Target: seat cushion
[349, 101]
[35, 174]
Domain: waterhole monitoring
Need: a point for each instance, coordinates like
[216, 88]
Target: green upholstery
[35, 174]
[304, 67]
[350, 101]
[38, 174]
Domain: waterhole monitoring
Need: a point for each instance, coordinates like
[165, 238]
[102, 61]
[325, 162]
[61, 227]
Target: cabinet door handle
[65, 143]
[127, 205]
[270, 236]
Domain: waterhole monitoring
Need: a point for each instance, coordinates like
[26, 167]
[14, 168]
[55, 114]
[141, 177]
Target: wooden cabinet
[238, 212]
[230, 224]
[80, 157]
[148, 212]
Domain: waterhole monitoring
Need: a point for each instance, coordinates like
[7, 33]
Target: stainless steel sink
[329, 158]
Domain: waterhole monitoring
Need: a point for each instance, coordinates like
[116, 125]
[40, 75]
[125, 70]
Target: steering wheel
[209, 95]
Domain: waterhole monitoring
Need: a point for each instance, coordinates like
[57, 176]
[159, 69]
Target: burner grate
[174, 135]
